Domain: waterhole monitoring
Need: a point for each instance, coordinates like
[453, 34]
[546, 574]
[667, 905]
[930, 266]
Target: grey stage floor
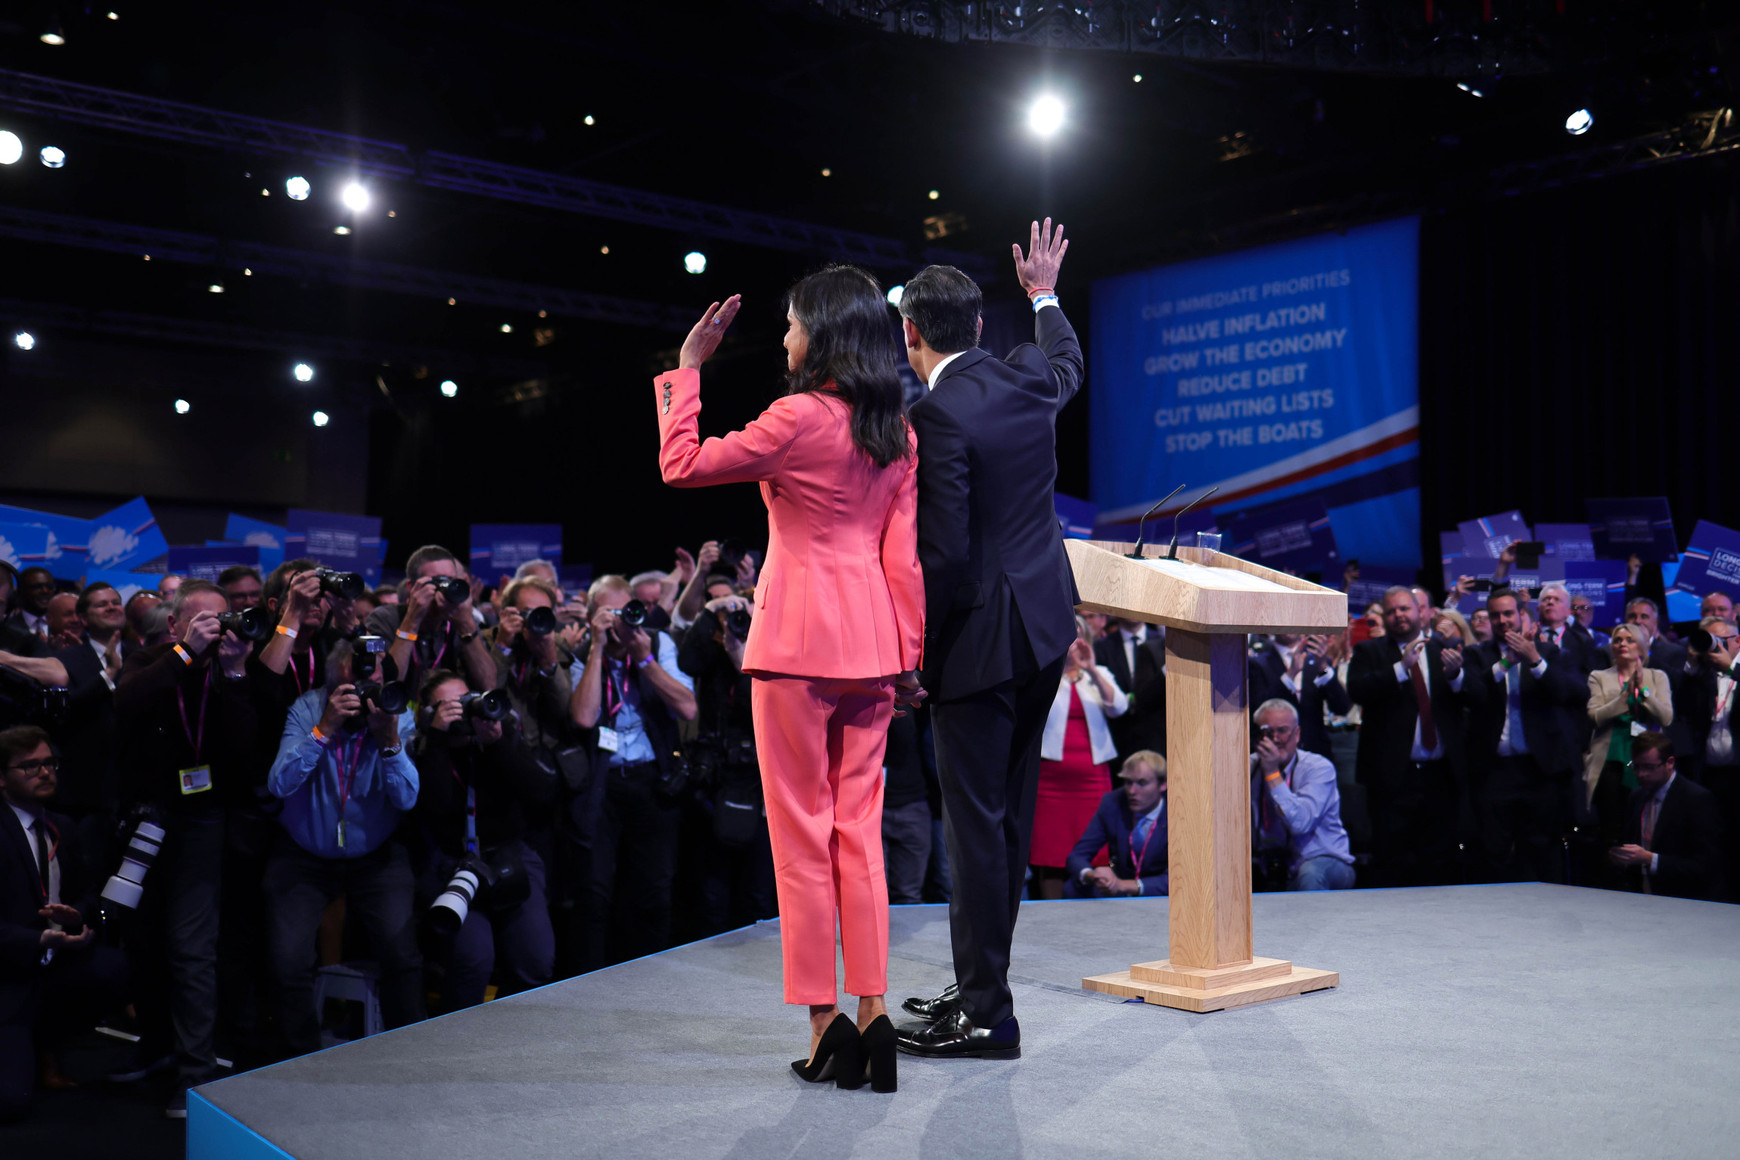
[1522, 1020]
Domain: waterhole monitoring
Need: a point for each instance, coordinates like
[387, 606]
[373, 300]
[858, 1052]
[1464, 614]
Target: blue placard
[1487, 537]
[24, 545]
[498, 549]
[68, 538]
[208, 562]
[1643, 527]
[1291, 536]
[1711, 561]
[1374, 580]
[575, 580]
[126, 537]
[269, 538]
[126, 583]
[345, 542]
[1075, 516]
[1566, 541]
[1280, 372]
[1603, 582]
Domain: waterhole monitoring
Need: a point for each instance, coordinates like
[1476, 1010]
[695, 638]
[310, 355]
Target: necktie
[1513, 698]
[1423, 699]
[112, 659]
[1140, 838]
[1650, 811]
[40, 829]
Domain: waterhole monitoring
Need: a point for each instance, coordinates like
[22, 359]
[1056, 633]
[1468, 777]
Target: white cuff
[1043, 301]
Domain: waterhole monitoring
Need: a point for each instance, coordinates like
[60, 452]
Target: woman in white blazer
[1625, 699]
[1075, 754]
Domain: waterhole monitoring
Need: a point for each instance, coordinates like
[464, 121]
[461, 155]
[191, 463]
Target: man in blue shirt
[1295, 805]
[344, 779]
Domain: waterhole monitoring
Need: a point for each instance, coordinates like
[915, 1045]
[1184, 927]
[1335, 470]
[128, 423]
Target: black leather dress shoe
[930, 1010]
[954, 1034]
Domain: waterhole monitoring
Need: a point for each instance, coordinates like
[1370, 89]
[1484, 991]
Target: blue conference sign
[1283, 372]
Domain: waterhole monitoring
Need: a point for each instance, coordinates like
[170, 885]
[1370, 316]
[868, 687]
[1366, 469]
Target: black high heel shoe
[836, 1056]
[876, 1049]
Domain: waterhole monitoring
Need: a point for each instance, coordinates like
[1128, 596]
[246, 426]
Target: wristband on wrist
[1040, 290]
[643, 662]
[186, 657]
[286, 630]
[1276, 776]
[317, 735]
[403, 635]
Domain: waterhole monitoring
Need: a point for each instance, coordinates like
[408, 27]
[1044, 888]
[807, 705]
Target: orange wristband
[318, 735]
[403, 635]
[284, 630]
[186, 657]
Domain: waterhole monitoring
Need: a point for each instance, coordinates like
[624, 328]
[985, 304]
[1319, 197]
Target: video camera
[27, 701]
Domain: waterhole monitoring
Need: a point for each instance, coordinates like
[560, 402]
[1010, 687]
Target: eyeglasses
[51, 764]
[1582, 608]
[1640, 767]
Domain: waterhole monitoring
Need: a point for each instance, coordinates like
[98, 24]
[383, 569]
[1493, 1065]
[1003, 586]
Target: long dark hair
[852, 355]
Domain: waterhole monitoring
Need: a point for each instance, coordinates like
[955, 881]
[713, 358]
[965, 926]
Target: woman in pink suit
[839, 614]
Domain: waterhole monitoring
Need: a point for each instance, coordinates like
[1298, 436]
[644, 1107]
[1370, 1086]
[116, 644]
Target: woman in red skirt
[1075, 756]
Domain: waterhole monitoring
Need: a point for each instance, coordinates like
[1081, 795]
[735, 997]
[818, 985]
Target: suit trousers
[987, 759]
[1527, 811]
[821, 743]
[1413, 819]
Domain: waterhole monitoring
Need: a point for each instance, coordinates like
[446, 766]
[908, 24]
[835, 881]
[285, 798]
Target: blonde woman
[1624, 700]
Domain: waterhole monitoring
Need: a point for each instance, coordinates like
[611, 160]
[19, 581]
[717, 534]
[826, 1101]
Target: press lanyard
[43, 871]
[300, 687]
[195, 740]
[614, 697]
[346, 780]
[1139, 856]
[470, 819]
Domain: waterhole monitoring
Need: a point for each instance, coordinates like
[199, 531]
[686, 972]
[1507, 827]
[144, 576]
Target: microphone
[1172, 548]
[1136, 554]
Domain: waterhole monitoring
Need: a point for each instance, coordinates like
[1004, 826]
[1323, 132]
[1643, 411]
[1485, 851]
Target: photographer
[478, 784]
[345, 780]
[719, 570]
[186, 726]
[532, 668]
[725, 850]
[630, 689]
[1709, 692]
[436, 626]
[1299, 840]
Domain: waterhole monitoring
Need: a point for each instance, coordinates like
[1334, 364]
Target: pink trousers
[821, 743]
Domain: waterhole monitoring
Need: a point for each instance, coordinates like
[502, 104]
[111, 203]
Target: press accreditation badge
[608, 739]
[196, 779]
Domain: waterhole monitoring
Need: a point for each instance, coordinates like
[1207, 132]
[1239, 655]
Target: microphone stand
[1172, 548]
[1136, 553]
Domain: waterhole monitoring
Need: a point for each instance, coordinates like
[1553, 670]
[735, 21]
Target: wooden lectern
[1208, 602]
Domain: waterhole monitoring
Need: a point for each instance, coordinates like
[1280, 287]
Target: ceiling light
[297, 188]
[114, 16]
[543, 314]
[453, 302]
[11, 147]
[507, 328]
[216, 288]
[303, 372]
[604, 249]
[393, 213]
[895, 294]
[321, 418]
[934, 194]
[591, 120]
[449, 388]
[1137, 78]
[53, 156]
[355, 197]
[247, 272]
[265, 193]
[1046, 116]
[341, 231]
[54, 34]
[695, 262]
[182, 406]
[827, 173]
[1579, 123]
[24, 340]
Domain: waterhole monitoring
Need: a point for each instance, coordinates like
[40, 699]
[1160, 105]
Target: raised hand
[704, 339]
[1045, 250]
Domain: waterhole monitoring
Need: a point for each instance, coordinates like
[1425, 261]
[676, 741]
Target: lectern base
[1196, 989]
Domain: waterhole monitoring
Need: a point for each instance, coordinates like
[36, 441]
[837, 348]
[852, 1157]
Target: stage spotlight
[507, 328]
[895, 294]
[1137, 78]
[216, 288]
[827, 173]
[695, 262]
[591, 120]
[1046, 116]
[449, 388]
[52, 156]
[24, 340]
[182, 406]
[341, 231]
[54, 34]
[303, 372]
[297, 188]
[11, 147]
[321, 418]
[114, 16]
[934, 194]
[1579, 123]
[355, 197]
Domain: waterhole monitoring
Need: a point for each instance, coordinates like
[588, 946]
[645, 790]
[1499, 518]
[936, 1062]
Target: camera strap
[197, 740]
[470, 819]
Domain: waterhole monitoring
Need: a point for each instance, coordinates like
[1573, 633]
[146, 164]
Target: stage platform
[1523, 1020]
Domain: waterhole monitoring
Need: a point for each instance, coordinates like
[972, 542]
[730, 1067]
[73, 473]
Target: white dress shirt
[937, 370]
[1419, 751]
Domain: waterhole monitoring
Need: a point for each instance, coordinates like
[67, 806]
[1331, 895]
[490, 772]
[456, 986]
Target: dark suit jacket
[1699, 710]
[21, 897]
[1266, 671]
[87, 739]
[153, 740]
[1580, 650]
[1671, 659]
[1554, 709]
[17, 639]
[1110, 830]
[1388, 711]
[988, 535]
[1143, 725]
[1687, 840]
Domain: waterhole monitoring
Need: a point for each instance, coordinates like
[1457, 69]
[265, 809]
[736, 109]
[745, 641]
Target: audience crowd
[455, 791]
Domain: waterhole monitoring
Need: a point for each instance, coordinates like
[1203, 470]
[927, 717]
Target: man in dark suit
[1130, 825]
[1525, 739]
[1707, 705]
[54, 979]
[1135, 654]
[1290, 667]
[1559, 627]
[1000, 613]
[1414, 695]
[1673, 833]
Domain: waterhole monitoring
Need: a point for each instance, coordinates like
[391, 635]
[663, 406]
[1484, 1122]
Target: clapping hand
[63, 915]
[1045, 250]
[706, 335]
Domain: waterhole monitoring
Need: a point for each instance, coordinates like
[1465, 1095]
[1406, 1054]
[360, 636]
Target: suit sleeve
[754, 453]
[1703, 862]
[900, 566]
[1604, 704]
[1661, 698]
[1095, 838]
[944, 473]
[1056, 337]
[1371, 681]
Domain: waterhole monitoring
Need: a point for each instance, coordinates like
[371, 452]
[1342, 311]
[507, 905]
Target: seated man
[1131, 825]
[1672, 828]
[54, 978]
[1297, 807]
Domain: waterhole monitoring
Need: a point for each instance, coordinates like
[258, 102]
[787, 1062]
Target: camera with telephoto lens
[493, 880]
[143, 830]
[452, 589]
[540, 621]
[490, 706]
[27, 701]
[253, 624]
[632, 614]
[731, 553]
[737, 623]
[344, 585]
[368, 657]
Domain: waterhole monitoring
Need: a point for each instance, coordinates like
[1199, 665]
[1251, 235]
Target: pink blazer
[841, 594]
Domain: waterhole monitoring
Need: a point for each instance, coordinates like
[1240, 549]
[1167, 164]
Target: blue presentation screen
[1287, 372]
